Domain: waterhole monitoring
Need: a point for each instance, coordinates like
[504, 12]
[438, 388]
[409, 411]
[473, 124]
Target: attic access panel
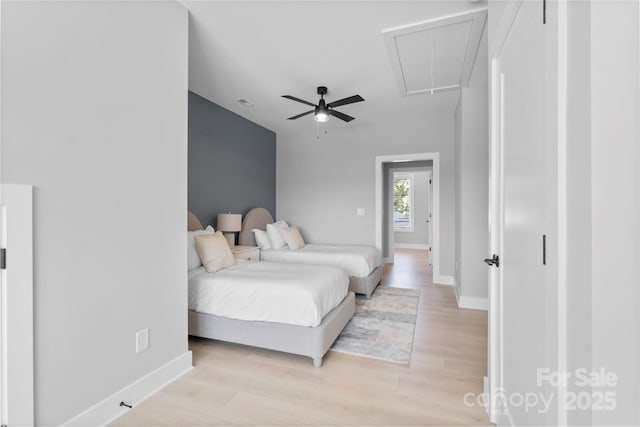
[437, 54]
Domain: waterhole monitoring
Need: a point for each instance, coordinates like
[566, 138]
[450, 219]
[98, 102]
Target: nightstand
[249, 253]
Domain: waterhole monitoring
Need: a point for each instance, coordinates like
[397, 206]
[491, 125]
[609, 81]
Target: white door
[3, 320]
[518, 168]
[16, 306]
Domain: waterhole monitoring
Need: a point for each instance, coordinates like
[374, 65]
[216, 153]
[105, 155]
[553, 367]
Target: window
[402, 202]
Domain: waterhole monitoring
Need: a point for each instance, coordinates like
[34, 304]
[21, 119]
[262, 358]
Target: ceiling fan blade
[345, 101]
[293, 98]
[341, 116]
[300, 115]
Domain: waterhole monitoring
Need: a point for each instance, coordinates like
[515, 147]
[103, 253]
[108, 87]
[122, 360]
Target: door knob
[495, 260]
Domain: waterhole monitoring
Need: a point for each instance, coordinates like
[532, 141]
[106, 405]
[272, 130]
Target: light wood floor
[238, 385]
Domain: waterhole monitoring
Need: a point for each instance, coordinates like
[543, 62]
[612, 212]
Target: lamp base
[231, 239]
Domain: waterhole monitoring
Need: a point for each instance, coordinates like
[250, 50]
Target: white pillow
[193, 260]
[262, 239]
[293, 237]
[214, 252]
[281, 224]
[275, 236]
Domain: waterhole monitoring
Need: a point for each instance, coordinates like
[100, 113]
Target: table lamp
[229, 224]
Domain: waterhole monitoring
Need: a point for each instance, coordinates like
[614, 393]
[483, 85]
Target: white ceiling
[262, 50]
[436, 54]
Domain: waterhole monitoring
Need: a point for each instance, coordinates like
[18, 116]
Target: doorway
[382, 238]
[407, 198]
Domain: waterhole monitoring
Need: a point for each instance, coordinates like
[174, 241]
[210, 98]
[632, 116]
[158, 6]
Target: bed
[362, 263]
[270, 305]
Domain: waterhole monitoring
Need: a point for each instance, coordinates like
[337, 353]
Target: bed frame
[260, 217]
[313, 342]
[305, 341]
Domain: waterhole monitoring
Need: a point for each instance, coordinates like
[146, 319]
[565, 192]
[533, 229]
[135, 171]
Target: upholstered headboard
[193, 223]
[255, 218]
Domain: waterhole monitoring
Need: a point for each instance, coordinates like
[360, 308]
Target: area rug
[383, 326]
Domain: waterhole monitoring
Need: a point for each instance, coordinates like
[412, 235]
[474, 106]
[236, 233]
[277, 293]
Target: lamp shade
[229, 222]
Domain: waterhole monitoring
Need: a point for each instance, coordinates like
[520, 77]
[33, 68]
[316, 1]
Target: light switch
[142, 340]
[360, 211]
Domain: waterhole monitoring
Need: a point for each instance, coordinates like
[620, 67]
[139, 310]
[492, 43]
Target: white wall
[420, 233]
[94, 116]
[320, 184]
[457, 120]
[615, 113]
[578, 200]
[494, 14]
[472, 180]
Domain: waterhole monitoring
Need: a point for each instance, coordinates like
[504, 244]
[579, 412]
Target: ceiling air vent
[435, 55]
[246, 103]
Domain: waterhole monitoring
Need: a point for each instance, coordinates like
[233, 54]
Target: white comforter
[264, 291]
[357, 261]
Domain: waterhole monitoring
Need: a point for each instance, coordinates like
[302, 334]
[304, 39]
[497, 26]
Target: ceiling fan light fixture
[322, 111]
[321, 116]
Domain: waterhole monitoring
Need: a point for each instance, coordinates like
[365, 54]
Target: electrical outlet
[142, 340]
[360, 211]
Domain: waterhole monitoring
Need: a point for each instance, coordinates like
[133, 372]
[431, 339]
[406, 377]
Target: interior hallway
[237, 385]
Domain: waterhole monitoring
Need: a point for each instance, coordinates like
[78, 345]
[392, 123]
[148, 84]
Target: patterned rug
[383, 326]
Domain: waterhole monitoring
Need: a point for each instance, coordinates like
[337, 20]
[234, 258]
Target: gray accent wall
[232, 162]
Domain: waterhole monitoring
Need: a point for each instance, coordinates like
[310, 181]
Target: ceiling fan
[322, 110]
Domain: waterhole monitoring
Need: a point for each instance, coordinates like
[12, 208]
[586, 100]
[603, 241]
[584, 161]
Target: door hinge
[3, 259]
[544, 249]
[544, 11]
[429, 181]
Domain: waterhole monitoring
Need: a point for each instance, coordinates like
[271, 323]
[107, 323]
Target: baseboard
[472, 303]
[501, 417]
[504, 418]
[106, 411]
[487, 396]
[443, 280]
[410, 246]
